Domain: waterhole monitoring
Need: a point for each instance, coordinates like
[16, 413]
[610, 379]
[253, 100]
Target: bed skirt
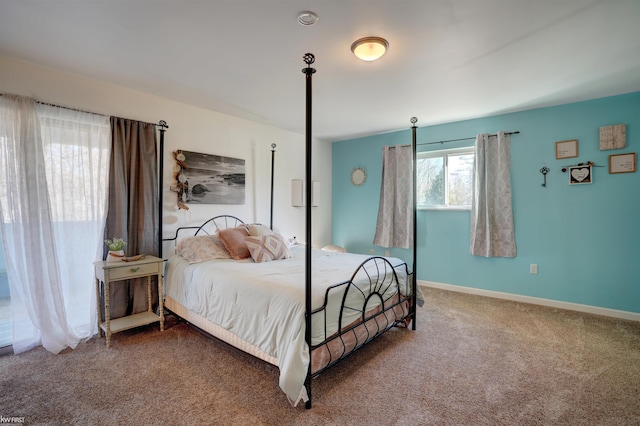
[217, 331]
[323, 355]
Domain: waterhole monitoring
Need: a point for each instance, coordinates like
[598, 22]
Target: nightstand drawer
[132, 271]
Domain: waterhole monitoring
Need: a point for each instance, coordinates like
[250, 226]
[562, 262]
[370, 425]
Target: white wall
[196, 129]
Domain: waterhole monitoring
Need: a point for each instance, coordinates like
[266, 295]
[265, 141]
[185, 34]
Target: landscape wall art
[214, 179]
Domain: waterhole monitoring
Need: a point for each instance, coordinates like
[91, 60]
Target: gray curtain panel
[133, 206]
[492, 230]
[394, 227]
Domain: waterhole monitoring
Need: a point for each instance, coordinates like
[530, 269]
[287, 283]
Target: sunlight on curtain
[77, 148]
[492, 231]
[394, 227]
[53, 184]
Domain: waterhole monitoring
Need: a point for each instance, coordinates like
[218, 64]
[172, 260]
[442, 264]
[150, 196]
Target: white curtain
[53, 187]
[394, 227]
[492, 231]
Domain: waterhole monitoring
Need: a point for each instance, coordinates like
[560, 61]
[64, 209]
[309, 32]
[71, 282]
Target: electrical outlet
[387, 253]
[372, 251]
[533, 268]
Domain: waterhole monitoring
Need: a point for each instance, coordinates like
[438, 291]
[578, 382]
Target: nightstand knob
[135, 269]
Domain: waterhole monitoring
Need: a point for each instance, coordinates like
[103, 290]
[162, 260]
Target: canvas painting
[214, 179]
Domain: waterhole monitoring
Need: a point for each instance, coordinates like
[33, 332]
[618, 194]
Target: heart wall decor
[579, 175]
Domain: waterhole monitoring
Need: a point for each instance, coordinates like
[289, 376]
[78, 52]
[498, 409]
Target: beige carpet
[472, 361]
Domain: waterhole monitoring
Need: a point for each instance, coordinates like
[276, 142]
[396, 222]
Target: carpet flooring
[472, 361]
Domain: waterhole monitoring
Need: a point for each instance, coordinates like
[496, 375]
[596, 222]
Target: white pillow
[201, 248]
[258, 230]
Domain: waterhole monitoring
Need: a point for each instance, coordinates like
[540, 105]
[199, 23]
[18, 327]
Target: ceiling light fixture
[307, 18]
[369, 48]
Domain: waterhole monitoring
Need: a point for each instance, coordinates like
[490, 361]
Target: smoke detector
[307, 18]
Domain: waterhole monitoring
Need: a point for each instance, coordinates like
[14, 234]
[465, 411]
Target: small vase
[115, 255]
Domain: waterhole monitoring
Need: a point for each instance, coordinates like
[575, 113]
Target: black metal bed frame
[375, 268]
[377, 285]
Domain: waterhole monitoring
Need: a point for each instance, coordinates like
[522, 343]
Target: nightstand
[110, 273]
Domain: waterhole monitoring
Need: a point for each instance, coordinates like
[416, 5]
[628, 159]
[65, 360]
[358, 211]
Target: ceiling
[448, 60]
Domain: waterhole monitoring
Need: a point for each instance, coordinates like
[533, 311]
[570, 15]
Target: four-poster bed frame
[374, 319]
[309, 59]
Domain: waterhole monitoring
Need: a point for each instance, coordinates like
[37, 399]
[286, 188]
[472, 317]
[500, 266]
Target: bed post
[273, 160]
[414, 286]
[308, 71]
[163, 127]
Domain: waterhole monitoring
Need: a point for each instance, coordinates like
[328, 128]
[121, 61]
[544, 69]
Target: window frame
[445, 153]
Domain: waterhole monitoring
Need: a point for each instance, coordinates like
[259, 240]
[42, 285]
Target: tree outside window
[444, 178]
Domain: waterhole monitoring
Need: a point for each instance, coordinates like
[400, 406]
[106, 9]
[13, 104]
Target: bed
[301, 309]
[259, 307]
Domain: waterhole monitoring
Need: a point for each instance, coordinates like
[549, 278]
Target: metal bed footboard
[381, 302]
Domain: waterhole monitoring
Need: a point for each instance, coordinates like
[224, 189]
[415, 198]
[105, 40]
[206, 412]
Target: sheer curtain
[53, 167]
[492, 231]
[394, 227]
[77, 146]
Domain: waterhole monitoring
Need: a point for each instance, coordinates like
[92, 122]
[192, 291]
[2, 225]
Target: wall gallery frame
[579, 175]
[567, 149]
[613, 137]
[622, 163]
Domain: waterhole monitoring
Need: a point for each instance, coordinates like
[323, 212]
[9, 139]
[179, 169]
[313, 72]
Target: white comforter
[264, 303]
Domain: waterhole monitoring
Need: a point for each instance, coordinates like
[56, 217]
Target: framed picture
[567, 149]
[613, 137]
[213, 179]
[622, 163]
[579, 175]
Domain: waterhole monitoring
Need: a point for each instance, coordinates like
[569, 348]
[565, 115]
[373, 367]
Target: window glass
[445, 178]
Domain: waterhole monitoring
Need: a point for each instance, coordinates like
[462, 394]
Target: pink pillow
[267, 248]
[233, 240]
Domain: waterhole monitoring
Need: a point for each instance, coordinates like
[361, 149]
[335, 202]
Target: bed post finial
[308, 58]
[414, 120]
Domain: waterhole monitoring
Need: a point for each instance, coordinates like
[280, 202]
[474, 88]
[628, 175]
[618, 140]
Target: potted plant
[116, 249]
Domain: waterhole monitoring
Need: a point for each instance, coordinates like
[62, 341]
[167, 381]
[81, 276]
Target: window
[444, 178]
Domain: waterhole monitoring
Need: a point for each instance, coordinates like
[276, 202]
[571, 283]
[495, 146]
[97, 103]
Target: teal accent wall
[585, 239]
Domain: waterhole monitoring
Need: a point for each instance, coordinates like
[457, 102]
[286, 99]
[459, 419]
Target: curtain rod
[162, 123]
[69, 108]
[54, 105]
[461, 139]
[466, 139]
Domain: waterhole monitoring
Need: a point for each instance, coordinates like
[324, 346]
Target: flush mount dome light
[369, 48]
[307, 18]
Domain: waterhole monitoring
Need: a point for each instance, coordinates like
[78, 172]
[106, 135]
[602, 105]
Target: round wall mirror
[358, 176]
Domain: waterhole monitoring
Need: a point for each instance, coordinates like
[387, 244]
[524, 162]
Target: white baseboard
[633, 316]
